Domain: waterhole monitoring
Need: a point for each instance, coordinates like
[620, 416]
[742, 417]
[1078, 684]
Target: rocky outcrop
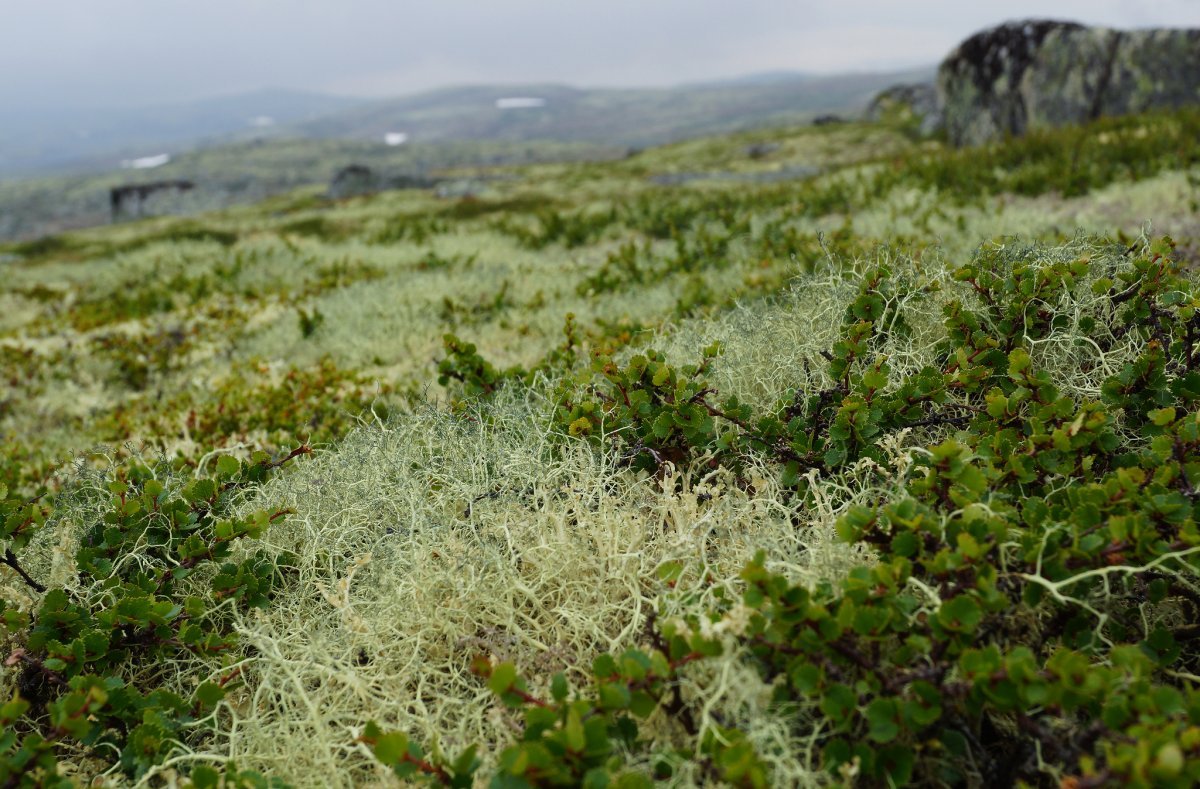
[132, 201]
[1038, 74]
[355, 180]
[908, 104]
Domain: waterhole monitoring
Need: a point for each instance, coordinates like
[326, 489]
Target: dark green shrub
[569, 229]
[318, 227]
[464, 364]
[94, 658]
[309, 321]
[318, 404]
[46, 246]
[418, 229]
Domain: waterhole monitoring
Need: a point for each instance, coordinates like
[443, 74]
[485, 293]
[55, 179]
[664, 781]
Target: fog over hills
[637, 116]
[35, 141]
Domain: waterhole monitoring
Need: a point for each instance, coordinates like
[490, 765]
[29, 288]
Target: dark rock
[761, 150]
[129, 201]
[356, 179]
[353, 180]
[1040, 73]
[828, 120]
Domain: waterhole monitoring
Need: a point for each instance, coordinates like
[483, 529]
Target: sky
[67, 53]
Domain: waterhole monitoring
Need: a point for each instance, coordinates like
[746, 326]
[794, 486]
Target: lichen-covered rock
[353, 180]
[914, 104]
[356, 179]
[1153, 68]
[1037, 74]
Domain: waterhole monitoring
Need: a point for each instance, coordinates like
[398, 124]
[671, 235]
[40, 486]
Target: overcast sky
[109, 52]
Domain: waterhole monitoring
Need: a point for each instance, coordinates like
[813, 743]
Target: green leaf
[574, 731]
[614, 696]
[200, 490]
[208, 694]
[227, 466]
[883, 716]
[1162, 416]
[642, 704]
[466, 763]
[926, 708]
[805, 677]
[595, 778]
[906, 544]
[896, 762]
[960, 614]
[791, 474]
[604, 666]
[874, 379]
[838, 702]
[391, 748]
[205, 777]
[558, 687]
[1018, 362]
[669, 571]
[12, 710]
[502, 679]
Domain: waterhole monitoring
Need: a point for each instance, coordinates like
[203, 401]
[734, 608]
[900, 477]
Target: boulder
[353, 180]
[1037, 74]
[133, 201]
[761, 150]
[910, 104]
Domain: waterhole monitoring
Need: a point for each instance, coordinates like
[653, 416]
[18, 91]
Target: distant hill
[610, 116]
[37, 140]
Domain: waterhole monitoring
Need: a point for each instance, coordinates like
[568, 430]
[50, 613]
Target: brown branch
[1184, 483]
[428, 768]
[10, 559]
[21, 656]
[303, 449]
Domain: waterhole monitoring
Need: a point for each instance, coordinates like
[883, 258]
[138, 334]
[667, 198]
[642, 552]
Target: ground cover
[851, 484]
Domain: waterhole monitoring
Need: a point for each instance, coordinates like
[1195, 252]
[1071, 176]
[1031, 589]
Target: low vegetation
[586, 480]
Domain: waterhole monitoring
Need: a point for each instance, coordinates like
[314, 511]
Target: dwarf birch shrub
[991, 639]
[151, 583]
